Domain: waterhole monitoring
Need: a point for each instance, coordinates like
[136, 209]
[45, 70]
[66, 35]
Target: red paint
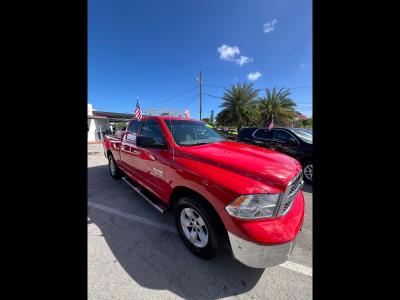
[220, 172]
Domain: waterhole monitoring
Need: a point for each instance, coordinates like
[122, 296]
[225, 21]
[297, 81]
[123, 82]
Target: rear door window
[264, 134]
[133, 130]
[246, 132]
[282, 136]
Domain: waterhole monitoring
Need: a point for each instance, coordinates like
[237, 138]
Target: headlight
[254, 206]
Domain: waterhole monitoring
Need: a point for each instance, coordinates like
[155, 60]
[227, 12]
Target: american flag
[138, 112]
[187, 114]
[271, 124]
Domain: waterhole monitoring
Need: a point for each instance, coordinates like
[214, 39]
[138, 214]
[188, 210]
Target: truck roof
[169, 118]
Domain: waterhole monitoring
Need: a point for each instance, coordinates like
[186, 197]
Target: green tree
[308, 122]
[212, 118]
[239, 108]
[304, 123]
[120, 125]
[276, 106]
[207, 120]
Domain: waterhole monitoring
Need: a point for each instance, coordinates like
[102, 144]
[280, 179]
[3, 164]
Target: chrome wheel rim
[308, 172]
[112, 166]
[194, 227]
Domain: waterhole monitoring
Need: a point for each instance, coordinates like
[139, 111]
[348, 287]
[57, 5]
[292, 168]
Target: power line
[176, 96]
[223, 98]
[299, 105]
[190, 101]
[218, 86]
[212, 96]
[224, 87]
[300, 87]
[192, 98]
[182, 99]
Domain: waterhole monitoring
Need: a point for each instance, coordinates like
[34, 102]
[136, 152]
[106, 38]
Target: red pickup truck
[220, 190]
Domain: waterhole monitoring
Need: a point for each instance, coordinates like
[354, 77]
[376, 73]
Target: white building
[101, 122]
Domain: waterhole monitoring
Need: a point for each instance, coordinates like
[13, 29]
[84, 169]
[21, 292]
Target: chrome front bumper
[260, 256]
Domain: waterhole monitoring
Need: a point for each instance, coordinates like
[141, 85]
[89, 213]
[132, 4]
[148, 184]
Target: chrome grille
[295, 185]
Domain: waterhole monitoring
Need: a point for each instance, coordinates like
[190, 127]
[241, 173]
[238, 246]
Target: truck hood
[264, 165]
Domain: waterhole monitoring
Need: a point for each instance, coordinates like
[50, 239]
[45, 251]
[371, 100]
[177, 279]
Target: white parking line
[133, 217]
[288, 264]
[297, 267]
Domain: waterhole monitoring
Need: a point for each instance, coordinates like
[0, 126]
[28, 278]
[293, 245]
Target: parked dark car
[295, 142]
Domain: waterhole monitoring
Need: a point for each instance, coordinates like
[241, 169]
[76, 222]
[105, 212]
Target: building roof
[112, 115]
[96, 117]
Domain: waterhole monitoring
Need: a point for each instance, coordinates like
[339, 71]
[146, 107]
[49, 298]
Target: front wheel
[308, 171]
[197, 228]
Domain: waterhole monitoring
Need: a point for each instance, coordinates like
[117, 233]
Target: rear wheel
[114, 170]
[197, 228]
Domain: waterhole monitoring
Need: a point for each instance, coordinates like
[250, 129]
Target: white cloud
[227, 52]
[270, 26]
[254, 76]
[302, 65]
[242, 60]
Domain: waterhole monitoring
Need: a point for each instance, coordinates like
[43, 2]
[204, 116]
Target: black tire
[212, 247]
[306, 167]
[116, 174]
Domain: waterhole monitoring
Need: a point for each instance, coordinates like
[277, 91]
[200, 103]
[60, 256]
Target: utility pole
[201, 84]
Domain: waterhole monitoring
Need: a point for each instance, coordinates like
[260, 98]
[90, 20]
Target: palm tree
[276, 107]
[239, 108]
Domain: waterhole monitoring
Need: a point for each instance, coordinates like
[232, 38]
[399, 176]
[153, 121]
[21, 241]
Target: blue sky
[154, 49]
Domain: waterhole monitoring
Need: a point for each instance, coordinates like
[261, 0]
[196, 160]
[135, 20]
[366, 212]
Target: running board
[157, 204]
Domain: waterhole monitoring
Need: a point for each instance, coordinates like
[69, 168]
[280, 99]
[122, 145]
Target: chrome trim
[260, 138]
[273, 140]
[143, 196]
[290, 133]
[260, 256]
[286, 197]
[295, 178]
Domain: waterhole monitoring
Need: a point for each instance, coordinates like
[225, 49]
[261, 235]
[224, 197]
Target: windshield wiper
[197, 144]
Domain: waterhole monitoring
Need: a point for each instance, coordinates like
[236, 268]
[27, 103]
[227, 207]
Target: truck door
[286, 143]
[129, 151]
[155, 164]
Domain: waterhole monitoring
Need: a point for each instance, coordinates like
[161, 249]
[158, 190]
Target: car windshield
[303, 134]
[191, 133]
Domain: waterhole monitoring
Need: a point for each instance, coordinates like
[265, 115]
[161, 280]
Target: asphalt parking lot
[134, 252]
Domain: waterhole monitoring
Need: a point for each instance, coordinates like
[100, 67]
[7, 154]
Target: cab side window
[264, 134]
[152, 129]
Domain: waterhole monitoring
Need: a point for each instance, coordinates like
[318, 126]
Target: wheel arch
[305, 159]
[183, 191]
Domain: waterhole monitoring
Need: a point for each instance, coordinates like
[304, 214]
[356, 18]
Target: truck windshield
[191, 133]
